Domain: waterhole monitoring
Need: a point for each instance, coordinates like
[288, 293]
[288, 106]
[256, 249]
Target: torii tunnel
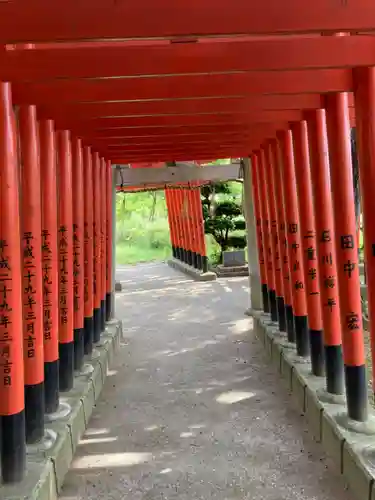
[86, 86]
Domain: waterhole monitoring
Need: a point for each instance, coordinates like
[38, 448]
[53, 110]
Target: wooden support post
[293, 235]
[65, 244]
[308, 242]
[109, 241]
[103, 244]
[88, 252]
[273, 195]
[12, 399]
[97, 246]
[50, 260]
[32, 274]
[78, 252]
[364, 87]
[263, 165]
[325, 257]
[338, 129]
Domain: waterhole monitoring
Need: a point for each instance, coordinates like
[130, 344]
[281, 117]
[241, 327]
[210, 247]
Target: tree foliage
[222, 212]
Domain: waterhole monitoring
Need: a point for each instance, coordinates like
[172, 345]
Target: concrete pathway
[191, 409]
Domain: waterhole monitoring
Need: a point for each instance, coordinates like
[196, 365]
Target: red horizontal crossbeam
[182, 86]
[263, 55]
[183, 138]
[108, 136]
[110, 126]
[43, 20]
[159, 109]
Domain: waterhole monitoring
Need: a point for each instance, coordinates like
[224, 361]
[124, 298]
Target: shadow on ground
[191, 410]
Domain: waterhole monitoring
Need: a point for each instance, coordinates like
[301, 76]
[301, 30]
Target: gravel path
[191, 409]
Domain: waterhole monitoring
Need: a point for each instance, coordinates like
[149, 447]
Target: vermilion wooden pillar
[194, 228]
[12, 399]
[32, 274]
[282, 240]
[103, 227]
[180, 201]
[199, 224]
[176, 224]
[325, 257]
[264, 229]
[202, 236]
[65, 244]
[273, 195]
[195, 200]
[294, 242]
[97, 246]
[78, 252]
[88, 251]
[308, 241]
[338, 129]
[185, 213]
[258, 222]
[50, 260]
[364, 87]
[170, 219]
[270, 213]
[189, 224]
[109, 240]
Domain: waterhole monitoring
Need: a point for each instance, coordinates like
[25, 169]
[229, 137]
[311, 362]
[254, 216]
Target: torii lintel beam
[42, 20]
[260, 55]
[183, 86]
[202, 106]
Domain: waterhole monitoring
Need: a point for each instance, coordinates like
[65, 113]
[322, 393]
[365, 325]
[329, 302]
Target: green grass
[142, 230]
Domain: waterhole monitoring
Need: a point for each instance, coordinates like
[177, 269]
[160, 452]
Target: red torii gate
[179, 94]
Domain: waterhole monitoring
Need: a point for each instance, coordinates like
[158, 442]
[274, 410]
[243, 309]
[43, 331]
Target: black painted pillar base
[266, 303]
[178, 254]
[34, 412]
[273, 305]
[334, 369]
[190, 258]
[79, 348]
[204, 264]
[174, 251]
[51, 386]
[102, 314]
[317, 352]
[97, 324]
[290, 328]
[196, 260]
[66, 366]
[13, 447]
[281, 313]
[356, 392]
[199, 261]
[108, 306]
[89, 335]
[302, 336]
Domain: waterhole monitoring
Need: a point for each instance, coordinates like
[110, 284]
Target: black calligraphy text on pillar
[325, 257]
[338, 128]
[88, 252]
[77, 298]
[258, 218]
[103, 256]
[308, 241]
[32, 273]
[294, 242]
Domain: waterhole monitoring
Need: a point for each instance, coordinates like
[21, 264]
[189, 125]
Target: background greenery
[142, 232]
